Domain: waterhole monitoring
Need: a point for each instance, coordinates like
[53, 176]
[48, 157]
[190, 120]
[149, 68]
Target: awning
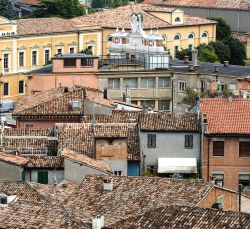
[177, 165]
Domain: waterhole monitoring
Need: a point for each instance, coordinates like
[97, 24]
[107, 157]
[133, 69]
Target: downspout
[208, 156]
[172, 79]
[78, 36]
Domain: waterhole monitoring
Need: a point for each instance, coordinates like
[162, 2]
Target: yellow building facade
[28, 44]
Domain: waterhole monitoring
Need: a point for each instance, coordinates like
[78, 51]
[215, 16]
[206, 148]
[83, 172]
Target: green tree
[59, 8]
[108, 3]
[238, 52]
[184, 52]
[6, 10]
[223, 30]
[221, 50]
[191, 95]
[87, 51]
[117, 3]
[206, 53]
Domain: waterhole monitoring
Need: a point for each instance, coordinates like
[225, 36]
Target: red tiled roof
[231, 4]
[29, 2]
[185, 217]
[52, 162]
[122, 17]
[226, 117]
[13, 159]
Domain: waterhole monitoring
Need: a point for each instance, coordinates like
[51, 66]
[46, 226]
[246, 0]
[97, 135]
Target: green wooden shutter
[42, 177]
[23, 175]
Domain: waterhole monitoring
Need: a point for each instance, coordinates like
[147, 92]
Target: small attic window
[3, 200]
[204, 34]
[177, 19]
[177, 37]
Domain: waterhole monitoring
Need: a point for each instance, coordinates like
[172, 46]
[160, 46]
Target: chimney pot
[98, 221]
[108, 184]
[226, 63]
[186, 59]
[216, 68]
[190, 67]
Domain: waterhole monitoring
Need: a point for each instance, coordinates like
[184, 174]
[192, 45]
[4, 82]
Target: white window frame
[24, 58]
[24, 86]
[37, 57]
[70, 47]
[8, 89]
[164, 80]
[113, 88]
[147, 86]
[182, 85]
[44, 58]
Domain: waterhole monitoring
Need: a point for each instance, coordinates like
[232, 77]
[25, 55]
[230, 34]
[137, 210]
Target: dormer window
[177, 37]
[191, 36]
[204, 34]
[177, 19]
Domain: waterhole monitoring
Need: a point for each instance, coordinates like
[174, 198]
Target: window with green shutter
[42, 177]
[23, 175]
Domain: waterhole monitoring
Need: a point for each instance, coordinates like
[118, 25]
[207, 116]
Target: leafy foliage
[59, 8]
[6, 10]
[87, 51]
[221, 50]
[238, 52]
[184, 52]
[191, 95]
[206, 53]
[223, 30]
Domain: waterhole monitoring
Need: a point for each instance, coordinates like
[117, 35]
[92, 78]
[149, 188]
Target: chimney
[98, 221]
[195, 57]
[108, 184]
[105, 93]
[190, 67]
[186, 59]
[226, 63]
[216, 68]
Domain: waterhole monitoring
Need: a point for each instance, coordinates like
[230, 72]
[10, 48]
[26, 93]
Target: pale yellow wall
[13, 81]
[94, 38]
[163, 16]
[176, 14]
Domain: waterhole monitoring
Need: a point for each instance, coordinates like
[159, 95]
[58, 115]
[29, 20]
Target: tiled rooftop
[51, 162]
[122, 17]
[226, 117]
[22, 189]
[31, 215]
[54, 193]
[85, 160]
[232, 4]
[13, 159]
[29, 2]
[169, 122]
[183, 217]
[133, 195]
[81, 137]
[56, 101]
[36, 26]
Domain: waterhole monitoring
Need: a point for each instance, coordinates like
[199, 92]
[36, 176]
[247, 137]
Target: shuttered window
[42, 177]
[244, 149]
[218, 148]
[151, 140]
[189, 141]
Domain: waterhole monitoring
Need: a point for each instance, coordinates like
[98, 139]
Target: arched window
[204, 34]
[177, 37]
[191, 36]
[109, 38]
[177, 19]
[164, 38]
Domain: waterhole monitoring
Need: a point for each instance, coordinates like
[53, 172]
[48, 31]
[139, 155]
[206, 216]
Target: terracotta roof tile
[13, 159]
[30, 215]
[232, 4]
[44, 26]
[55, 194]
[122, 17]
[22, 189]
[29, 2]
[52, 162]
[226, 117]
[133, 195]
[85, 160]
[167, 122]
[81, 137]
[185, 217]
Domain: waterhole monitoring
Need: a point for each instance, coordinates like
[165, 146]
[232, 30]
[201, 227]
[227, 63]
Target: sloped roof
[226, 117]
[183, 217]
[13, 159]
[85, 160]
[81, 137]
[122, 16]
[169, 122]
[35, 26]
[56, 101]
[29, 2]
[30, 215]
[232, 4]
[51, 162]
[22, 189]
[133, 195]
